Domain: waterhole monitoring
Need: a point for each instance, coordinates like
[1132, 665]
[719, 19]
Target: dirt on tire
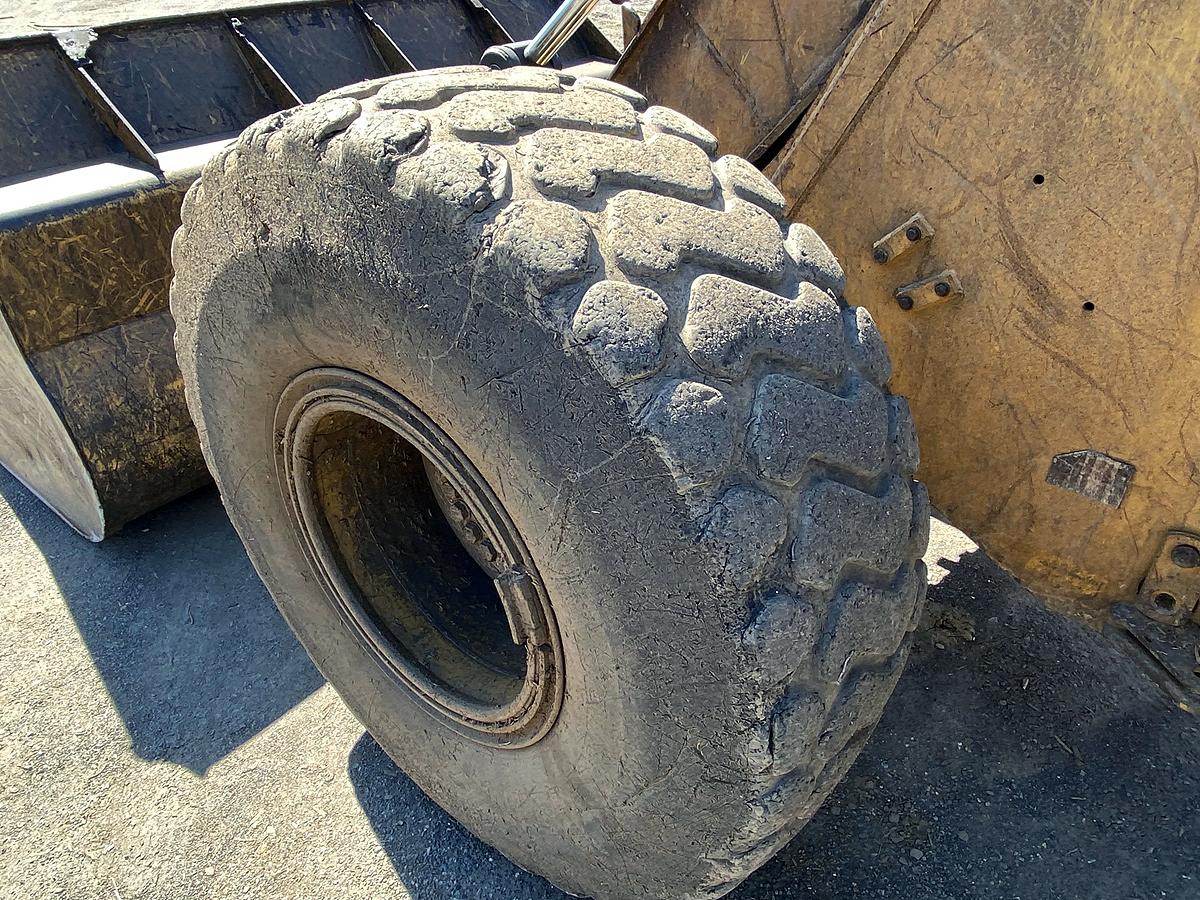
[660, 380]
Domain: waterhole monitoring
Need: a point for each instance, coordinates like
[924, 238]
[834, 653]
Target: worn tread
[722, 327]
[730, 324]
[564, 166]
[652, 235]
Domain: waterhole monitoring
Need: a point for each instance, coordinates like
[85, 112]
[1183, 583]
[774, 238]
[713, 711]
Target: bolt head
[880, 254]
[1186, 556]
[942, 289]
[904, 301]
[913, 233]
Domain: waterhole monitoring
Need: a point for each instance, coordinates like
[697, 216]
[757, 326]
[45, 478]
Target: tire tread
[819, 532]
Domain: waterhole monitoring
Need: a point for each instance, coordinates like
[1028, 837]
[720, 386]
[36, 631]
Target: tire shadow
[184, 635]
[1022, 755]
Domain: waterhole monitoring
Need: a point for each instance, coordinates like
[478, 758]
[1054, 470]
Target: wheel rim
[467, 629]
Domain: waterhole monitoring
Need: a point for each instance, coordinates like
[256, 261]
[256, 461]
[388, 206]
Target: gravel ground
[163, 736]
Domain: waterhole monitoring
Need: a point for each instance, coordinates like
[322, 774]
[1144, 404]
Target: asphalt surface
[163, 736]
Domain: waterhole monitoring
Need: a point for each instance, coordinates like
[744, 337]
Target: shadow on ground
[1022, 756]
[183, 633]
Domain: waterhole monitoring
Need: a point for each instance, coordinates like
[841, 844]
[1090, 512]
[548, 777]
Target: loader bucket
[101, 131]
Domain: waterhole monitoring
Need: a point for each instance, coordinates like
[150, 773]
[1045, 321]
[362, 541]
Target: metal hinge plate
[1170, 591]
[901, 239]
[929, 291]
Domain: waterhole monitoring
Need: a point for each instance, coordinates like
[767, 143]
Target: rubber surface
[689, 426]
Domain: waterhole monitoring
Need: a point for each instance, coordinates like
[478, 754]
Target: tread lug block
[389, 137]
[742, 179]
[795, 724]
[861, 700]
[629, 95]
[866, 346]
[659, 118]
[653, 235]
[815, 260]
[259, 134]
[921, 575]
[562, 165]
[918, 541]
[781, 636]
[464, 179]
[690, 423]
[620, 326]
[790, 797]
[866, 624]
[746, 528]
[840, 525]
[730, 324]
[317, 123]
[500, 115]
[902, 437]
[545, 245]
[423, 90]
[794, 424]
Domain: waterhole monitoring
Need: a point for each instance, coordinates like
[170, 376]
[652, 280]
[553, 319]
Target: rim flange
[308, 399]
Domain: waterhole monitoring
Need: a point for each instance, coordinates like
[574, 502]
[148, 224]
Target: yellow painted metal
[744, 70]
[1053, 147]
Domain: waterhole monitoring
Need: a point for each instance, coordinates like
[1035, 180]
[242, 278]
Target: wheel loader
[546, 384]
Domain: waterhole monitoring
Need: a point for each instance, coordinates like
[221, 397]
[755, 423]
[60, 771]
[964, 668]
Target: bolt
[942, 289]
[904, 301]
[880, 254]
[913, 233]
[1185, 556]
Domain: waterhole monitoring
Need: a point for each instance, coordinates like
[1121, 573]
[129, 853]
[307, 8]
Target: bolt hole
[1088, 306]
[1164, 602]
[1039, 179]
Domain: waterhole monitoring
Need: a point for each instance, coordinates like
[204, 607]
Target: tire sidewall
[651, 653]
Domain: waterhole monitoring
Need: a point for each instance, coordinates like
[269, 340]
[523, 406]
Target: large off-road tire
[529, 301]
